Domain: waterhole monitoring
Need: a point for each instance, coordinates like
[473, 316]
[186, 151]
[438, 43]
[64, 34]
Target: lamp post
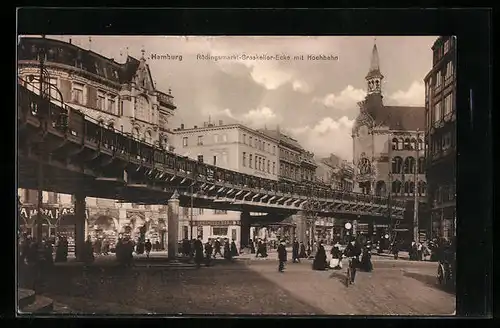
[191, 223]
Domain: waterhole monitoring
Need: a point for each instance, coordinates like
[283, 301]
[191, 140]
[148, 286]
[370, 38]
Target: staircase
[29, 303]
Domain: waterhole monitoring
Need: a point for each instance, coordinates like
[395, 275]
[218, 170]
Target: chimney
[182, 126]
[196, 126]
[221, 122]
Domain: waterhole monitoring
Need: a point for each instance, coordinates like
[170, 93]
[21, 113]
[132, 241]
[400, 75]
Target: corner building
[233, 147]
[440, 134]
[119, 95]
[389, 152]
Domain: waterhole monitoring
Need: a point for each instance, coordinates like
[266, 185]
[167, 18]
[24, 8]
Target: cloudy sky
[314, 100]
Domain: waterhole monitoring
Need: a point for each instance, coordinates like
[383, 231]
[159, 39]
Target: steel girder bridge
[62, 150]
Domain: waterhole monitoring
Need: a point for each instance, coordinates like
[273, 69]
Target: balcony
[165, 100]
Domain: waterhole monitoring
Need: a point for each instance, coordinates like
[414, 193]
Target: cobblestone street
[245, 286]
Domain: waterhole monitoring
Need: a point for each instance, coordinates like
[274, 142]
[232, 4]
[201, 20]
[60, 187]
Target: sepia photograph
[236, 175]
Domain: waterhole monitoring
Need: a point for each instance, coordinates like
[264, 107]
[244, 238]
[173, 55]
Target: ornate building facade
[336, 173]
[388, 145]
[121, 96]
[440, 133]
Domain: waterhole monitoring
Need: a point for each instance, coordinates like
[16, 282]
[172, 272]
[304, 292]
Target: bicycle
[350, 269]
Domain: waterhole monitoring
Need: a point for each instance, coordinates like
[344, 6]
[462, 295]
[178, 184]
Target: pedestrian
[208, 251]
[234, 249]
[302, 251]
[147, 247]
[198, 251]
[295, 251]
[217, 248]
[259, 249]
[319, 262]
[227, 250]
[252, 247]
[420, 252]
[282, 256]
[336, 261]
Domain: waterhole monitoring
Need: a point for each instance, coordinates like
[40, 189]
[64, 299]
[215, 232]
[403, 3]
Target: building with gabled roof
[388, 144]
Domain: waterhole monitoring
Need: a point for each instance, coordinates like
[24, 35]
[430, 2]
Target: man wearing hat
[336, 261]
[282, 256]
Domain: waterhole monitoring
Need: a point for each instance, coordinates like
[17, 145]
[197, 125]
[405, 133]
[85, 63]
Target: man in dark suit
[282, 256]
[295, 251]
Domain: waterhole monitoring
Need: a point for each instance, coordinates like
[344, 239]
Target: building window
[244, 162]
[421, 144]
[413, 144]
[135, 133]
[438, 79]
[421, 165]
[407, 144]
[219, 231]
[274, 150]
[250, 161]
[446, 46]
[448, 104]
[274, 167]
[215, 160]
[120, 110]
[220, 211]
[409, 165]
[77, 93]
[148, 137]
[422, 186]
[184, 141]
[256, 163]
[397, 163]
[224, 138]
[111, 104]
[244, 138]
[268, 166]
[437, 112]
[250, 143]
[216, 138]
[200, 140]
[260, 164]
[449, 70]
[101, 101]
[395, 144]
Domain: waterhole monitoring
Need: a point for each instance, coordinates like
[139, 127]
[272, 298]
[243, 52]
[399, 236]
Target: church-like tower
[374, 77]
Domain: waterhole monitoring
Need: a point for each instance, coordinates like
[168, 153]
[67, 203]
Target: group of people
[210, 250]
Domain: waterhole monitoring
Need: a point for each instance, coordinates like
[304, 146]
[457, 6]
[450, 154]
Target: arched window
[407, 144]
[396, 187]
[380, 188]
[395, 144]
[421, 188]
[412, 187]
[420, 144]
[407, 187]
[409, 166]
[148, 137]
[413, 144]
[401, 144]
[397, 163]
[365, 166]
[135, 133]
[421, 165]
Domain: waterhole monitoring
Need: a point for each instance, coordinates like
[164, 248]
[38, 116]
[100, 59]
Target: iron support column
[173, 226]
[80, 218]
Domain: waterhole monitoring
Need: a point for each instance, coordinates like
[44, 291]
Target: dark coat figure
[319, 262]
[252, 247]
[217, 248]
[186, 247]
[234, 249]
[47, 253]
[302, 251]
[259, 249]
[395, 250]
[295, 252]
[264, 249]
[208, 252]
[198, 251]
[282, 256]
[147, 247]
[88, 251]
[62, 250]
[227, 250]
[366, 263]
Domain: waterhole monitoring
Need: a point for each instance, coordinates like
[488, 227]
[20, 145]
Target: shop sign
[53, 213]
[217, 223]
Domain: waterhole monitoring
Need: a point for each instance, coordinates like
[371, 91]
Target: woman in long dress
[319, 262]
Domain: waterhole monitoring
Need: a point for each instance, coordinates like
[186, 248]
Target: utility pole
[191, 223]
[41, 115]
[415, 193]
[389, 187]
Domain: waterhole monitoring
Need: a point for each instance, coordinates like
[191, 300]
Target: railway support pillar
[245, 221]
[173, 226]
[80, 223]
[300, 222]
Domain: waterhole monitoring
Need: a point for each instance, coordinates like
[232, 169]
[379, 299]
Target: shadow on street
[429, 280]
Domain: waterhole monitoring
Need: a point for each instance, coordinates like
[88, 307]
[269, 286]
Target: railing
[157, 158]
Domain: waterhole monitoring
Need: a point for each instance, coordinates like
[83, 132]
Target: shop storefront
[54, 221]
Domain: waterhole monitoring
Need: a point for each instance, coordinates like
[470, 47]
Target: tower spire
[374, 76]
